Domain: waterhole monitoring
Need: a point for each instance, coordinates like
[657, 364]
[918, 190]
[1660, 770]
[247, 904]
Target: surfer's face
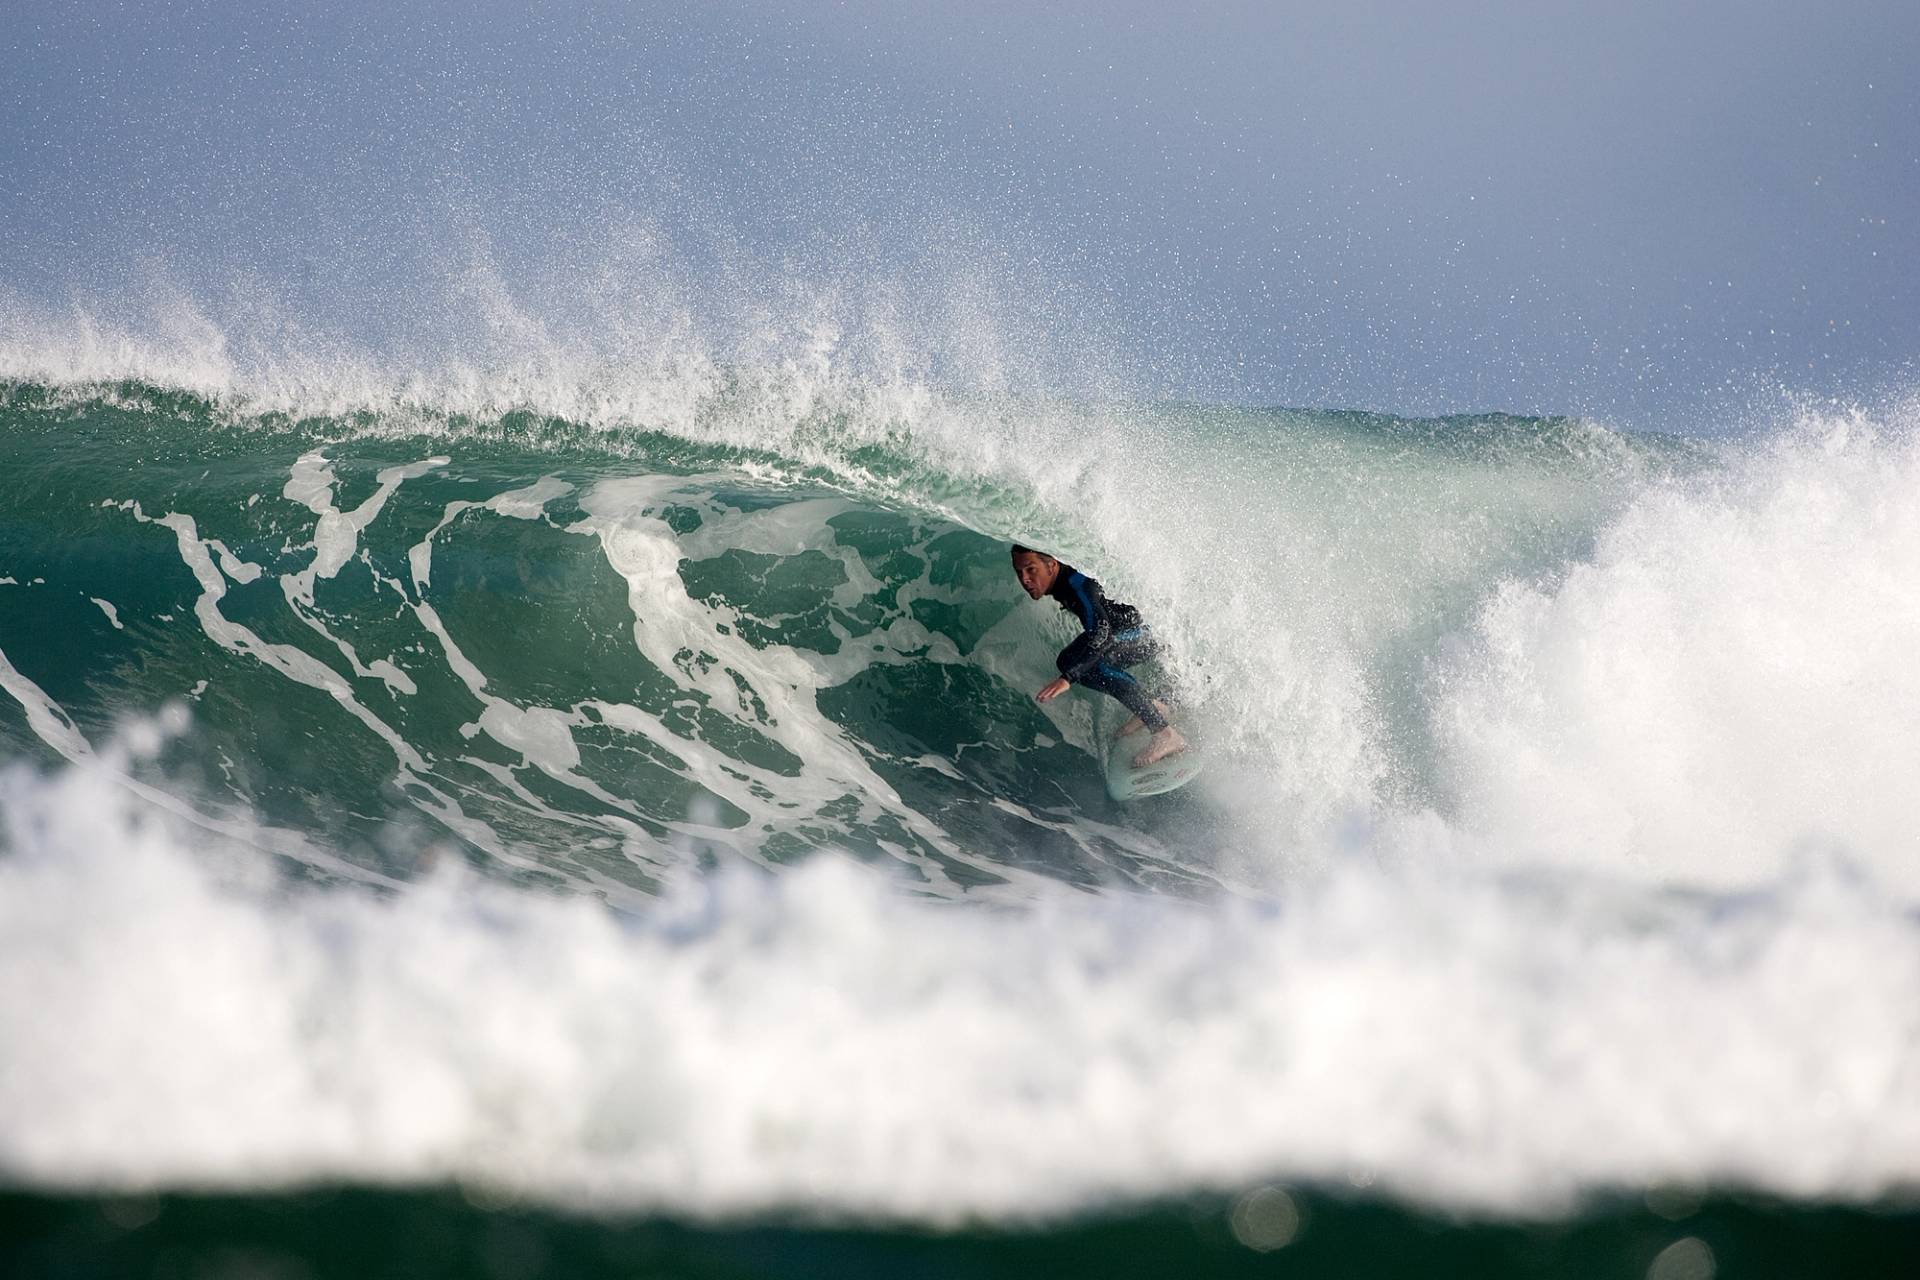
[1036, 572]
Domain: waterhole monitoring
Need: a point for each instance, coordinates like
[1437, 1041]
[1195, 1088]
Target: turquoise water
[623, 803]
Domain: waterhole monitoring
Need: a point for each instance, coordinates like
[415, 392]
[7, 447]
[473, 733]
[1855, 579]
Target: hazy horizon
[1639, 215]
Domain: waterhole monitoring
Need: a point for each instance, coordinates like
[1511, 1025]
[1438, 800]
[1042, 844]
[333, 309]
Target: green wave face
[387, 649]
[596, 655]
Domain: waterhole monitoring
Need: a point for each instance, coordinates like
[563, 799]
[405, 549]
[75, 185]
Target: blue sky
[1641, 211]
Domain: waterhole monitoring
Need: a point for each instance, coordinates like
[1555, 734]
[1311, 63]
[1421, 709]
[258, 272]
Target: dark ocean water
[358, 1232]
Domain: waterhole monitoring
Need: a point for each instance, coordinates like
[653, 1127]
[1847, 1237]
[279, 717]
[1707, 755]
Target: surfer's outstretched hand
[1051, 690]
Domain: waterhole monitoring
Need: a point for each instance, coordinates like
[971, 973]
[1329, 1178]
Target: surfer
[1114, 639]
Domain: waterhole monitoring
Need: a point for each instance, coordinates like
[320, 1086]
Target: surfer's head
[1035, 569]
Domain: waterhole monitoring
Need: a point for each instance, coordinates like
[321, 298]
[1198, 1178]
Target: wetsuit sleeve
[1090, 606]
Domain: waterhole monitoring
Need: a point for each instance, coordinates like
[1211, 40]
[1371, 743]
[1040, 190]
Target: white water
[1730, 676]
[1498, 1004]
[818, 1041]
[1491, 995]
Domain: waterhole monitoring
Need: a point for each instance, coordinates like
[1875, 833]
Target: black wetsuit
[1114, 639]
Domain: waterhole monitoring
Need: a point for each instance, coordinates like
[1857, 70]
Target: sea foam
[818, 1041]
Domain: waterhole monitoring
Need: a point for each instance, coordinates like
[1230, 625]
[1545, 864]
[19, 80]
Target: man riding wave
[1113, 639]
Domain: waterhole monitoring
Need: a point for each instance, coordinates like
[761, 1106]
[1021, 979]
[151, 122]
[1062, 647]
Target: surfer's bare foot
[1165, 743]
[1136, 724]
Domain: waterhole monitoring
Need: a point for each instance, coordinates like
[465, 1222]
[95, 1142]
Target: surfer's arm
[1090, 604]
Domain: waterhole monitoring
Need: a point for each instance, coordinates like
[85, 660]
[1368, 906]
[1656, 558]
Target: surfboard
[1124, 782]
